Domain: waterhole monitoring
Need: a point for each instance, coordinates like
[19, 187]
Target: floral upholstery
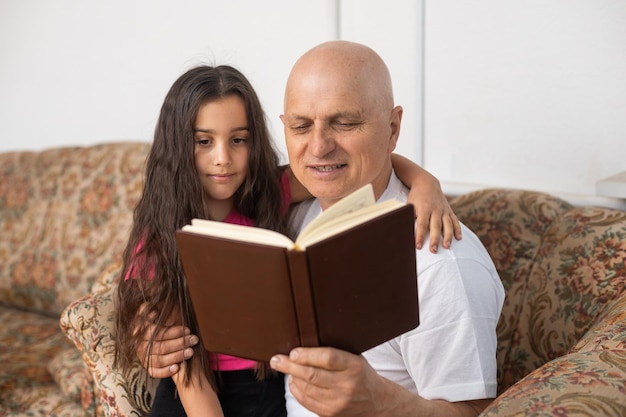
[65, 214]
[88, 322]
[563, 327]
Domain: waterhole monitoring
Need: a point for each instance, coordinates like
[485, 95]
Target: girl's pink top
[224, 362]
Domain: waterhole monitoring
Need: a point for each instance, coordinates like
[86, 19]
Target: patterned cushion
[73, 378]
[577, 384]
[511, 224]
[561, 268]
[46, 401]
[581, 265]
[608, 331]
[28, 342]
[88, 323]
[65, 213]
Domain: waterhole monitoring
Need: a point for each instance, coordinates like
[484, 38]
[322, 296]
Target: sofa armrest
[581, 383]
[589, 380]
[88, 322]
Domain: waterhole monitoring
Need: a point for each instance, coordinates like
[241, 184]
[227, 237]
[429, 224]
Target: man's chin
[327, 197]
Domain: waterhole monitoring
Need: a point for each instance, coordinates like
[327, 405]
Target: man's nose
[322, 141]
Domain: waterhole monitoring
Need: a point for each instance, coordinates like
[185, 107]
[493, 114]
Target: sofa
[562, 332]
[65, 214]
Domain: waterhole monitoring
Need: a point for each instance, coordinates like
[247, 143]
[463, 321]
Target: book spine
[303, 298]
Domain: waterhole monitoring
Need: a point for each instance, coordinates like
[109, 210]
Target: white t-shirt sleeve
[451, 354]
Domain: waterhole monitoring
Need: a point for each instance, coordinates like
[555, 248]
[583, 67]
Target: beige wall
[526, 94]
[77, 72]
[516, 93]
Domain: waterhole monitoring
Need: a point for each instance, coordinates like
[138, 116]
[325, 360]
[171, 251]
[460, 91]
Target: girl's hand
[434, 217]
[431, 205]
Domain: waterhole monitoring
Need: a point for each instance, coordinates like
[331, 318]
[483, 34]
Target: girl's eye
[239, 140]
[203, 142]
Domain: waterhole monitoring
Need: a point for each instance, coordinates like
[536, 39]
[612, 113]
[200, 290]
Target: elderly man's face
[338, 135]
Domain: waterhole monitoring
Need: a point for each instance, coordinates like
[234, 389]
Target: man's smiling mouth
[328, 168]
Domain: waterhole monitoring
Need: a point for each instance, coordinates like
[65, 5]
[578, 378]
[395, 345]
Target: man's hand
[171, 346]
[330, 382]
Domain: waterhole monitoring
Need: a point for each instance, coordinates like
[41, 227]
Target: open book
[348, 281]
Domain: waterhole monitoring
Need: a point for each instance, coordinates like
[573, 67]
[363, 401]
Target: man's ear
[282, 119]
[395, 121]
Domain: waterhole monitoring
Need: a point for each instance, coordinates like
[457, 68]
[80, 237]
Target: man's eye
[346, 125]
[299, 128]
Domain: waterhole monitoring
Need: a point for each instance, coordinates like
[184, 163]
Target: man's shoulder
[469, 247]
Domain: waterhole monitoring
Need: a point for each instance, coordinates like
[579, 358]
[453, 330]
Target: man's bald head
[353, 64]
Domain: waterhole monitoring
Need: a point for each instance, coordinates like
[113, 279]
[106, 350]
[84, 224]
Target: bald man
[341, 127]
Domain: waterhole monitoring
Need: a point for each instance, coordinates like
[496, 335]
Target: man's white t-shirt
[451, 355]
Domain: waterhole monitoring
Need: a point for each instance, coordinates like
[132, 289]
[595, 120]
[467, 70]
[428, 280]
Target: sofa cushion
[46, 401]
[28, 341]
[581, 384]
[608, 331]
[65, 214]
[73, 378]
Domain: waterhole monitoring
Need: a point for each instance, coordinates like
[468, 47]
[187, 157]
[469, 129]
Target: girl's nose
[221, 154]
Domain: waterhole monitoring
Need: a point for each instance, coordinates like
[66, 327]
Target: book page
[356, 200]
[346, 221]
[357, 207]
[238, 232]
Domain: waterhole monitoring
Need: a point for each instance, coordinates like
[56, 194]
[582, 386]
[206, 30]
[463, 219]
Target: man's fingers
[166, 356]
[321, 379]
[161, 373]
[165, 347]
[167, 333]
[165, 361]
[329, 359]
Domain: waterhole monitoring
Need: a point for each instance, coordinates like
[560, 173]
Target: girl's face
[222, 144]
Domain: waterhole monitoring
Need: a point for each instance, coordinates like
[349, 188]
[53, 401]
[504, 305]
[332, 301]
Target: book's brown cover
[352, 291]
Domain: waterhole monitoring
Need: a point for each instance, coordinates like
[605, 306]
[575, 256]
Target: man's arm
[330, 382]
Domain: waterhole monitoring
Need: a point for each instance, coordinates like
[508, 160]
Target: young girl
[212, 157]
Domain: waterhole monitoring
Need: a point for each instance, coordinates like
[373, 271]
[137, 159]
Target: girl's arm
[197, 396]
[431, 206]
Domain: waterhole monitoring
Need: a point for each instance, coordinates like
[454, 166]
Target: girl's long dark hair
[173, 195]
